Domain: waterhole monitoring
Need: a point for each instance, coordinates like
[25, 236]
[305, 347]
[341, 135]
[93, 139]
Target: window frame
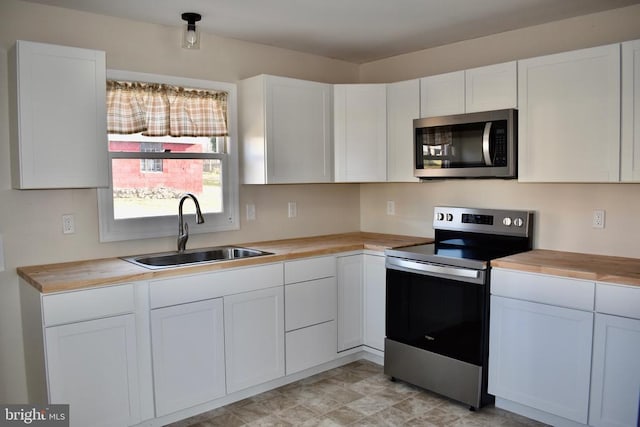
[151, 227]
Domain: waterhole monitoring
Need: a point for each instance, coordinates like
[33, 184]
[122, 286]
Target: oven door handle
[433, 268]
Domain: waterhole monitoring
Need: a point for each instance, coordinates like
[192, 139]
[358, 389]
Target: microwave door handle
[486, 144]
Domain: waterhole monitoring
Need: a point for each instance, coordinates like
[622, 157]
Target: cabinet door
[360, 129]
[539, 356]
[374, 301]
[615, 381]
[60, 147]
[298, 121]
[569, 116]
[630, 158]
[92, 366]
[188, 354]
[403, 106]
[442, 94]
[350, 310]
[254, 337]
[494, 87]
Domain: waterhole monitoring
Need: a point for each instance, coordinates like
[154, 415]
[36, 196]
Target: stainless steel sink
[194, 256]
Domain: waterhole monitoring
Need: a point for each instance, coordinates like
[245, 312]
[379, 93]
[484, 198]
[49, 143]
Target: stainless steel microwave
[473, 145]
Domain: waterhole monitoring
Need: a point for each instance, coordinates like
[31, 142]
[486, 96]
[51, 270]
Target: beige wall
[30, 221]
[563, 219]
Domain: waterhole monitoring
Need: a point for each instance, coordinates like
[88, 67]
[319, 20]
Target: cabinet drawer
[309, 303]
[310, 346]
[618, 300]
[88, 304]
[546, 289]
[183, 289]
[309, 269]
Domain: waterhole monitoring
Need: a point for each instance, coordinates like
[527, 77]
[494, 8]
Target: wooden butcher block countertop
[100, 272]
[600, 268]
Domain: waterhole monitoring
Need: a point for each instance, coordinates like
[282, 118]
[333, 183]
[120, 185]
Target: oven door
[437, 308]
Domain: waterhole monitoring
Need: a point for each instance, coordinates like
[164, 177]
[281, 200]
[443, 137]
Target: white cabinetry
[374, 301]
[188, 354]
[493, 87]
[630, 158]
[403, 106]
[254, 337]
[59, 139]
[540, 354]
[92, 348]
[286, 131]
[569, 116]
[615, 381]
[442, 94]
[310, 312]
[350, 301]
[360, 132]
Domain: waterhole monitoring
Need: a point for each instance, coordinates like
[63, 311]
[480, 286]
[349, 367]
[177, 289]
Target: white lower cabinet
[615, 377]
[92, 366]
[188, 354]
[374, 301]
[540, 356]
[254, 337]
[350, 302]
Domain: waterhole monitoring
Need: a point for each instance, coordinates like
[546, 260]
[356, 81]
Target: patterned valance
[159, 110]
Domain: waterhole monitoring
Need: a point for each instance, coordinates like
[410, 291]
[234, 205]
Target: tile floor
[357, 394]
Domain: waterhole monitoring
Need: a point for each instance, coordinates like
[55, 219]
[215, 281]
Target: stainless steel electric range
[437, 303]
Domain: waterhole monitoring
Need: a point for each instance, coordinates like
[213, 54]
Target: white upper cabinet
[285, 130]
[442, 94]
[493, 87]
[403, 106]
[360, 132]
[59, 135]
[569, 116]
[630, 158]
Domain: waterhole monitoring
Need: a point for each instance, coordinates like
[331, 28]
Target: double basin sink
[194, 256]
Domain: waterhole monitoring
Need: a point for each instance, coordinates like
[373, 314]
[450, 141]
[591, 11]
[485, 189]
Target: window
[151, 169]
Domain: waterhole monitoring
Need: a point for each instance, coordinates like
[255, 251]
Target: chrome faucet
[183, 228]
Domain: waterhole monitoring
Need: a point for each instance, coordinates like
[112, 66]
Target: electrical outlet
[68, 224]
[598, 218]
[251, 212]
[293, 209]
[391, 207]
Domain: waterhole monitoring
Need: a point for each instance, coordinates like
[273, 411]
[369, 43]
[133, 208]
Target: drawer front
[310, 346]
[618, 300]
[542, 288]
[309, 269]
[88, 304]
[309, 303]
[184, 289]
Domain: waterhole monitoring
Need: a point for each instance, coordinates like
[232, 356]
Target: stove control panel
[496, 221]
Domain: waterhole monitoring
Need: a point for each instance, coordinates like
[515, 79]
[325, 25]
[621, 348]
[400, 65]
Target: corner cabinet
[630, 158]
[59, 119]
[360, 132]
[350, 301]
[403, 106]
[285, 130]
[569, 116]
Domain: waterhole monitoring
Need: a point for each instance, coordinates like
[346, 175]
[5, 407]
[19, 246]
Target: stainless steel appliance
[474, 145]
[437, 304]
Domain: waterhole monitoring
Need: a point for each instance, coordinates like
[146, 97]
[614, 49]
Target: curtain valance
[160, 109]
